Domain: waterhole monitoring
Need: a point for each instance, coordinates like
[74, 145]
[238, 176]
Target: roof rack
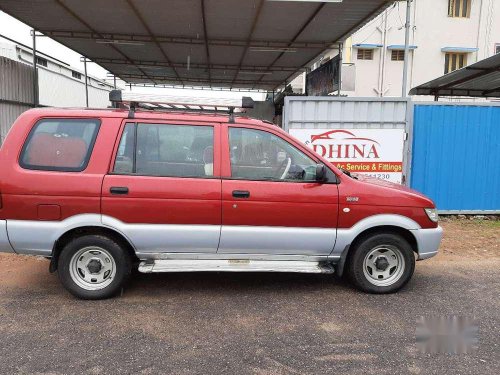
[120, 99]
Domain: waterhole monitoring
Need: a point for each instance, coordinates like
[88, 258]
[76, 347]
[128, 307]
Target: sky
[20, 32]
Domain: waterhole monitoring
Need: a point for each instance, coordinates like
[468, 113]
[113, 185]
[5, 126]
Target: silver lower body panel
[5, 246]
[276, 240]
[428, 241]
[233, 265]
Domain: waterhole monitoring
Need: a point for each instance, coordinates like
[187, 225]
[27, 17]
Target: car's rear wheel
[381, 263]
[93, 267]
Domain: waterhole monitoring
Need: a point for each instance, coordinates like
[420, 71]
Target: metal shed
[481, 79]
[16, 92]
[249, 44]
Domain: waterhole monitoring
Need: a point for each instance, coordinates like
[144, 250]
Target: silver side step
[233, 265]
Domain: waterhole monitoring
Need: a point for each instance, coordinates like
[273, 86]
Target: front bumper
[428, 241]
[5, 246]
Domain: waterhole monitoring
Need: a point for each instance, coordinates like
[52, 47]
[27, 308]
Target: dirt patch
[20, 271]
[470, 239]
[347, 357]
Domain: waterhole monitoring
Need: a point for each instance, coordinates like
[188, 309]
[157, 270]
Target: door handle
[119, 190]
[241, 194]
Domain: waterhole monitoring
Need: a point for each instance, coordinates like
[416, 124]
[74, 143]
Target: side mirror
[321, 173]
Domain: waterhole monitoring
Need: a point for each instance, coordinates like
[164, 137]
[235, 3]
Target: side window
[124, 162]
[60, 145]
[259, 155]
[166, 150]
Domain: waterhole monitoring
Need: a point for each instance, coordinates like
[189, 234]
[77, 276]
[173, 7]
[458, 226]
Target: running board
[233, 265]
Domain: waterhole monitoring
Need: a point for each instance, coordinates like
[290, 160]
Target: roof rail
[163, 102]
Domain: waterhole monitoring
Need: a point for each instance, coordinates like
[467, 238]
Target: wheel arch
[73, 233]
[392, 229]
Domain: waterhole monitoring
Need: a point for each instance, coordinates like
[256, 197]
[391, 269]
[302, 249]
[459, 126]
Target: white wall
[58, 90]
[57, 86]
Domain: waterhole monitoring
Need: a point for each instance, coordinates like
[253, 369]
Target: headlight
[432, 214]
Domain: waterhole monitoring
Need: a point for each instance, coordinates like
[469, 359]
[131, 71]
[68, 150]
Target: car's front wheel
[93, 267]
[381, 263]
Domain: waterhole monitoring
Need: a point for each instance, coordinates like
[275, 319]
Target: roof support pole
[114, 81]
[341, 58]
[381, 74]
[404, 93]
[86, 82]
[207, 47]
[35, 71]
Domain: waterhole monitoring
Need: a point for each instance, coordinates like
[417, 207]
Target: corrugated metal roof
[252, 44]
[16, 92]
[481, 79]
[16, 81]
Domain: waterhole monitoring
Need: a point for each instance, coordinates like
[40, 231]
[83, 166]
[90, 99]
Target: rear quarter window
[60, 145]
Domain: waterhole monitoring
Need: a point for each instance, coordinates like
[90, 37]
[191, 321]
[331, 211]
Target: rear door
[271, 203]
[164, 189]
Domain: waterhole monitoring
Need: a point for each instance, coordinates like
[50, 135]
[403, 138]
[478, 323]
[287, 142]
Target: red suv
[102, 191]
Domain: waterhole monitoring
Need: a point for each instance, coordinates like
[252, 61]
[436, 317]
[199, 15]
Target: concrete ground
[253, 323]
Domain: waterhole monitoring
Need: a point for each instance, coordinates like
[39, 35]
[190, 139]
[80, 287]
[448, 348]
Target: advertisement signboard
[325, 79]
[373, 152]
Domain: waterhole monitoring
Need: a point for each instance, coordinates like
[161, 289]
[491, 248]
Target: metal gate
[456, 157]
[367, 135]
[16, 92]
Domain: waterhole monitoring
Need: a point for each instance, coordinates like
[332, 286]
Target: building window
[497, 49]
[41, 61]
[459, 8]
[454, 61]
[365, 54]
[76, 74]
[398, 55]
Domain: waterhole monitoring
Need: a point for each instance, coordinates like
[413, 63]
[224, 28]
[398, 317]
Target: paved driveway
[252, 323]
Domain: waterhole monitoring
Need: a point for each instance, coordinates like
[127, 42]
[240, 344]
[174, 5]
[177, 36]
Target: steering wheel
[287, 169]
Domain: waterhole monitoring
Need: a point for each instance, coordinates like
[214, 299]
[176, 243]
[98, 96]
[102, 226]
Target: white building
[445, 35]
[59, 84]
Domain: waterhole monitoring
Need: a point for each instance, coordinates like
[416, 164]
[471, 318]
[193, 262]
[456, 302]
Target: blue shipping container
[456, 156]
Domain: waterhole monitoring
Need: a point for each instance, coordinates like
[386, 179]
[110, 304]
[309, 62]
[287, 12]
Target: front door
[164, 189]
[271, 202]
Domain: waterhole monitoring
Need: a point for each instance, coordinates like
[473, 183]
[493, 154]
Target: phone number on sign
[382, 176]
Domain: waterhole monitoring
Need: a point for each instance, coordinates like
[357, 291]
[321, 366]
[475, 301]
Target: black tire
[369, 245]
[122, 266]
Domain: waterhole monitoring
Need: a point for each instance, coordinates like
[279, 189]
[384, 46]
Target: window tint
[259, 155]
[60, 145]
[166, 150]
